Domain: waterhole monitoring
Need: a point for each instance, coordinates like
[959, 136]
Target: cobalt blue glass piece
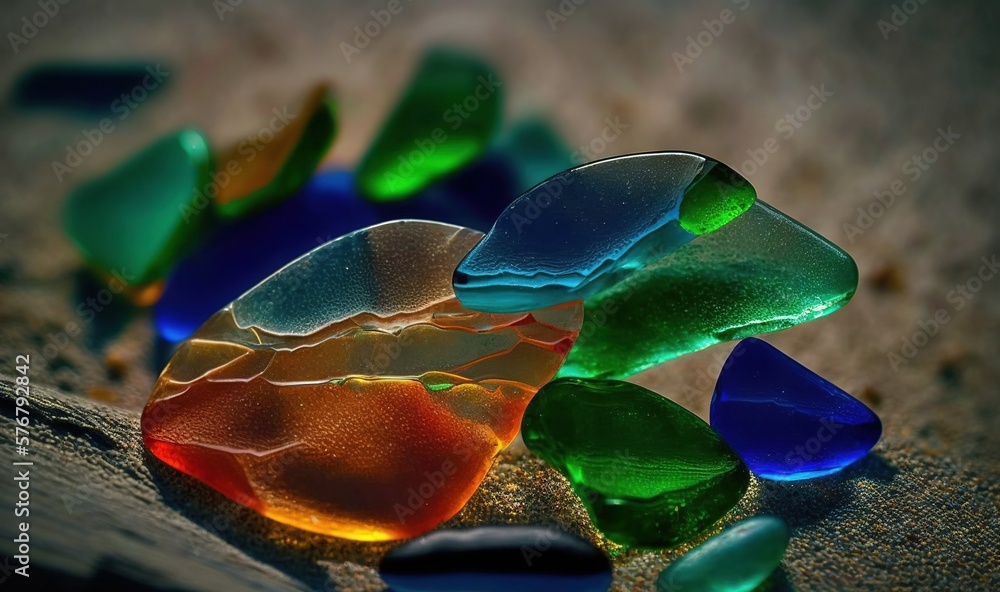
[472, 197]
[496, 558]
[785, 421]
[241, 254]
[91, 89]
[589, 227]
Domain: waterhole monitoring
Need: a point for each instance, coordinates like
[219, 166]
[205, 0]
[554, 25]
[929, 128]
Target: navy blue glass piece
[496, 558]
[785, 421]
[472, 197]
[91, 89]
[241, 254]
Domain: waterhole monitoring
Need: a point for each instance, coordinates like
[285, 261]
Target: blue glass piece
[472, 197]
[496, 558]
[241, 254]
[589, 227]
[92, 89]
[785, 421]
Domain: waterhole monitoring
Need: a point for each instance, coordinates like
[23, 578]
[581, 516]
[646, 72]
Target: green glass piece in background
[650, 473]
[136, 220]
[445, 118]
[761, 272]
[536, 151]
[737, 559]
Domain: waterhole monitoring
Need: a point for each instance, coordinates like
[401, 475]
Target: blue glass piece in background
[785, 421]
[241, 254]
[89, 88]
[496, 558]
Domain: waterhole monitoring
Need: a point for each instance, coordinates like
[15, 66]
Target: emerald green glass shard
[136, 220]
[761, 272]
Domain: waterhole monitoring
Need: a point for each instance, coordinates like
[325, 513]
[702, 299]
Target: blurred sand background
[921, 512]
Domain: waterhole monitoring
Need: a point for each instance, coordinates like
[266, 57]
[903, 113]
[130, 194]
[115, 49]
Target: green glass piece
[715, 200]
[761, 272]
[650, 473]
[136, 220]
[535, 150]
[446, 118]
[737, 559]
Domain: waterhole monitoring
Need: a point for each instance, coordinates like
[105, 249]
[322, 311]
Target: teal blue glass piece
[535, 150]
[737, 559]
[591, 226]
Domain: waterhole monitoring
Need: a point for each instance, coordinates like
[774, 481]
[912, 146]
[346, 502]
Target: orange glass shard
[272, 164]
[350, 393]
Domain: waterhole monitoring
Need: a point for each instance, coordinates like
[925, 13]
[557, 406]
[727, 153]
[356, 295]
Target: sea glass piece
[444, 120]
[761, 272]
[785, 421]
[133, 222]
[592, 226]
[110, 90]
[738, 559]
[497, 559]
[273, 163]
[650, 473]
[350, 393]
[235, 258]
[536, 151]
